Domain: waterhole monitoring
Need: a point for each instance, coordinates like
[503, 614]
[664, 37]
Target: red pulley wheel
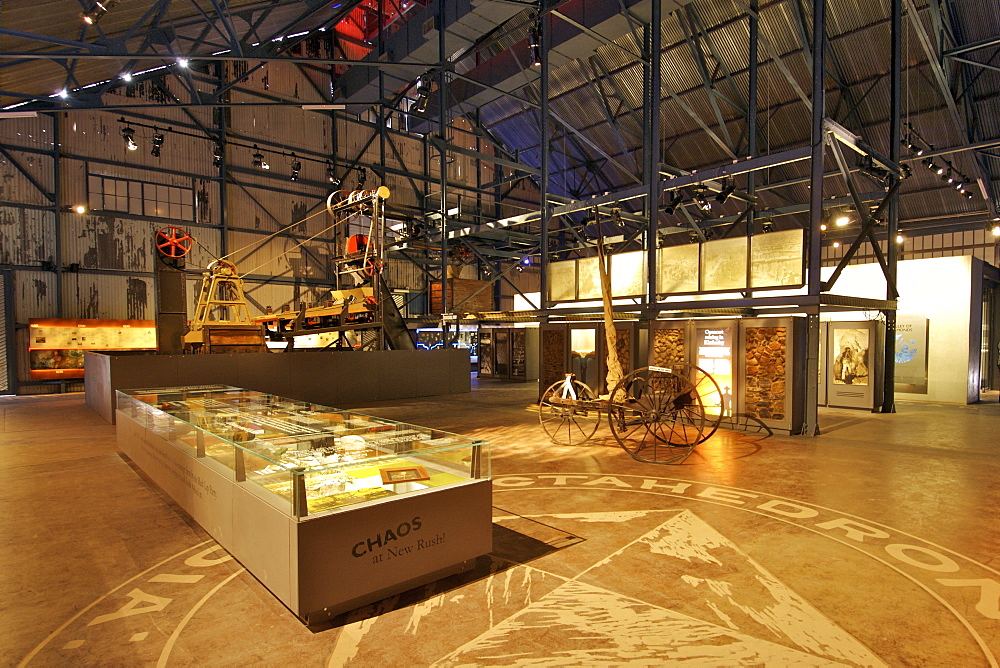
[174, 242]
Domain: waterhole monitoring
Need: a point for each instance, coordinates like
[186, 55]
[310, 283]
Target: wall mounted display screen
[715, 355]
[56, 345]
[850, 349]
[724, 264]
[677, 269]
[776, 259]
[911, 354]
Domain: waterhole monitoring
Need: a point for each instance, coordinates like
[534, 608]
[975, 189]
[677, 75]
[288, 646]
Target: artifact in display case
[313, 478]
[56, 345]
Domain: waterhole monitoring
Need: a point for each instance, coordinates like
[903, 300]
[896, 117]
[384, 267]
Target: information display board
[715, 355]
[56, 345]
[911, 354]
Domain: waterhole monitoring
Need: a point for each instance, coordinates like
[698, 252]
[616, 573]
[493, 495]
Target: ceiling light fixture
[675, 202]
[96, 12]
[726, 191]
[423, 96]
[158, 140]
[535, 43]
[996, 230]
[702, 201]
[258, 159]
[128, 134]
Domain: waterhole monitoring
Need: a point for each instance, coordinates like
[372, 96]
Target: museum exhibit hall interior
[500, 332]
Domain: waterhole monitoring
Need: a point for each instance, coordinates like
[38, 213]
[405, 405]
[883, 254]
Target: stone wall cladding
[553, 356]
[765, 372]
[668, 347]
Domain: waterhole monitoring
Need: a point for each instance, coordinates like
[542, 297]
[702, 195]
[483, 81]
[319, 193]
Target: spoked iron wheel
[569, 412]
[659, 414]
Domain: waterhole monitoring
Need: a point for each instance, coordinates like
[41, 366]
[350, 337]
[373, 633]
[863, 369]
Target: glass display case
[329, 509]
[301, 457]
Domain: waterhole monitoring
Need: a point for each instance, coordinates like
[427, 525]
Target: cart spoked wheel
[569, 411]
[659, 414]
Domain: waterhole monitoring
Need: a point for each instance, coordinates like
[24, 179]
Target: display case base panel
[325, 564]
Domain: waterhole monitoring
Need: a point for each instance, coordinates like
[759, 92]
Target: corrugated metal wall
[977, 243]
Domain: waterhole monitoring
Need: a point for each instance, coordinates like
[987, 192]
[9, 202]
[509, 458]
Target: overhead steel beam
[739, 167]
[944, 88]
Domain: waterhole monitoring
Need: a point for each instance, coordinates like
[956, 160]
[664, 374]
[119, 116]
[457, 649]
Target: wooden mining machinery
[360, 309]
[222, 322]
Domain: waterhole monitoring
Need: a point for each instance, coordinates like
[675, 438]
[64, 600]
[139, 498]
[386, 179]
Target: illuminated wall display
[56, 345]
[911, 354]
[715, 355]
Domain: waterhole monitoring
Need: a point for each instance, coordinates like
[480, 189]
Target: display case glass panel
[588, 278]
[724, 264]
[628, 274]
[562, 281]
[677, 269]
[302, 457]
[776, 259]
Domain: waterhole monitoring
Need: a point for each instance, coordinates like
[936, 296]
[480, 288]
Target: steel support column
[810, 425]
[651, 142]
[895, 133]
[751, 217]
[443, 153]
[545, 132]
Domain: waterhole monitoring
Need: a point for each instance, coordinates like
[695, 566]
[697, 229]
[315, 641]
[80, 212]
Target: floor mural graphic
[596, 570]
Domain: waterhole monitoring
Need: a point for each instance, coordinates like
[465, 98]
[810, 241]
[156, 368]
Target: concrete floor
[877, 543]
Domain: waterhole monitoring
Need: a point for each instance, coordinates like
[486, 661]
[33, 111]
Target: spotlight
[331, 174]
[128, 134]
[996, 230]
[949, 176]
[767, 225]
[75, 208]
[702, 201]
[362, 177]
[939, 170]
[842, 220]
[217, 155]
[157, 143]
[127, 76]
[526, 260]
[296, 168]
[675, 202]
[258, 159]
[929, 164]
[63, 93]
[967, 193]
[900, 238]
[959, 184]
[423, 96]
[616, 218]
[96, 12]
[905, 172]
[693, 237]
[822, 227]
[836, 244]
[535, 43]
[182, 62]
[724, 194]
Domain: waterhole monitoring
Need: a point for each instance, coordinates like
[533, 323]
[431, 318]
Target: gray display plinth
[333, 378]
[324, 564]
